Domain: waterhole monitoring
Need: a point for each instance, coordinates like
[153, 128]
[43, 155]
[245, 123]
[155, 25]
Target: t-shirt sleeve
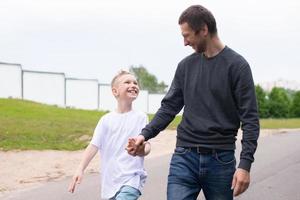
[98, 136]
[141, 122]
[145, 121]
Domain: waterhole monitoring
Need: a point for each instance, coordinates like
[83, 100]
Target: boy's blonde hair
[119, 74]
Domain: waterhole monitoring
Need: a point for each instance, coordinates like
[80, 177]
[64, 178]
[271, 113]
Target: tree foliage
[262, 102]
[295, 107]
[279, 103]
[148, 81]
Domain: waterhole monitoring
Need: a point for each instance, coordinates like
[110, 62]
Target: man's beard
[201, 47]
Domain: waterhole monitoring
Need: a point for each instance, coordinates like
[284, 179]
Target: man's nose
[186, 42]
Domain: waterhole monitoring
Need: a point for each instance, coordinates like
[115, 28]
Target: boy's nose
[133, 85]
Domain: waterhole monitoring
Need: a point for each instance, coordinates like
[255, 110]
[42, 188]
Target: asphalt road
[275, 175]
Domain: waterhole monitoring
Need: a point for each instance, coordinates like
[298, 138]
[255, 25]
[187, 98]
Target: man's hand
[240, 182]
[135, 146]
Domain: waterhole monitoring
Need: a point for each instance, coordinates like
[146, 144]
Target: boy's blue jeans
[191, 171]
[127, 193]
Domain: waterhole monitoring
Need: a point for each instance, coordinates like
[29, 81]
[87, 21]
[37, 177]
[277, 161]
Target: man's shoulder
[189, 58]
[234, 57]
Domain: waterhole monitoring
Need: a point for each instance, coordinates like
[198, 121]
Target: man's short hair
[196, 17]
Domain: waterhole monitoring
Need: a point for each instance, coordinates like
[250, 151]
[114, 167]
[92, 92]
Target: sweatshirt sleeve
[99, 133]
[244, 94]
[171, 104]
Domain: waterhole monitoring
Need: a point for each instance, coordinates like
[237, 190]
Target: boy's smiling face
[126, 87]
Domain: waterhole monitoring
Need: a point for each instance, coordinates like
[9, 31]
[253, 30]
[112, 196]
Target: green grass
[291, 123]
[280, 123]
[173, 124]
[27, 125]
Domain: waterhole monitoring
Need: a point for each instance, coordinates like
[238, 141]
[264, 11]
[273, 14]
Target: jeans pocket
[225, 157]
[180, 150]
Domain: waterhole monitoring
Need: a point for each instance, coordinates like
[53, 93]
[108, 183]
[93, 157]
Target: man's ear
[205, 30]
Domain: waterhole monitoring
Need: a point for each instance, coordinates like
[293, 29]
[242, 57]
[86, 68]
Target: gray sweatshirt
[218, 97]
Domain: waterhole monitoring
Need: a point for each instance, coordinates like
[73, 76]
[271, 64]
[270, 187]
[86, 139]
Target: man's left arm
[245, 97]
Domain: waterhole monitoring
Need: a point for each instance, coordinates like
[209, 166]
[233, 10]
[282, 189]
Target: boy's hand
[136, 146]
[76, 180]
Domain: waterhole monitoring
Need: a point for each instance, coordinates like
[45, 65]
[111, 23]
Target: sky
[94, 39]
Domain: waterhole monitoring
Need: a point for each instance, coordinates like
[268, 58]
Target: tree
[279, 103]
[295, 107]
[262, 102]
[148, 81]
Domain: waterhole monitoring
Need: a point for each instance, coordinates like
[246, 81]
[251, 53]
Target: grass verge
[27, 125]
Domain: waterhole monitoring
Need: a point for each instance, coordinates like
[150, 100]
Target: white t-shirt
[117, 166]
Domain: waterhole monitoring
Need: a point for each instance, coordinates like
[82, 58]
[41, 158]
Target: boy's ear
[114, 91]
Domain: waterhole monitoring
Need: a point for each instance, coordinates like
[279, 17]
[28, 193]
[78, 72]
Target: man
[215, 87]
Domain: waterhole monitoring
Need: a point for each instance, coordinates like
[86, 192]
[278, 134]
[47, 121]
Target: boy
[123, 176]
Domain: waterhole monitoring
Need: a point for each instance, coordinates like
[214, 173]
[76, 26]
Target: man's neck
[214, 47]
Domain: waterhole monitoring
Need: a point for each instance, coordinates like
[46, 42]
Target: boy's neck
[124, 107]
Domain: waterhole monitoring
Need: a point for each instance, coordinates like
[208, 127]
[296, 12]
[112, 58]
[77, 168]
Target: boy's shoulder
[105, 117]
[138, 112]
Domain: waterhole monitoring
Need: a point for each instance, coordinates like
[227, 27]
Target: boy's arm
[147, 148]
[88, 155]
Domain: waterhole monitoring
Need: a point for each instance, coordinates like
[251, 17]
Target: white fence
[82, 93]
[10, 80]
[106, 99]
[44, 87]
[55, 89]
[154, 102]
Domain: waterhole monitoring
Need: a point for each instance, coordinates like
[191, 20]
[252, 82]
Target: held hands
[240, 182]
[136, 146]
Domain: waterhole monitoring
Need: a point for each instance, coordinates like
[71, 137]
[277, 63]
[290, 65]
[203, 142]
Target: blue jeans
[127, 193]
[191, 171]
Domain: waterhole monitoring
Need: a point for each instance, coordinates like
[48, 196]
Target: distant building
[287, 84]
